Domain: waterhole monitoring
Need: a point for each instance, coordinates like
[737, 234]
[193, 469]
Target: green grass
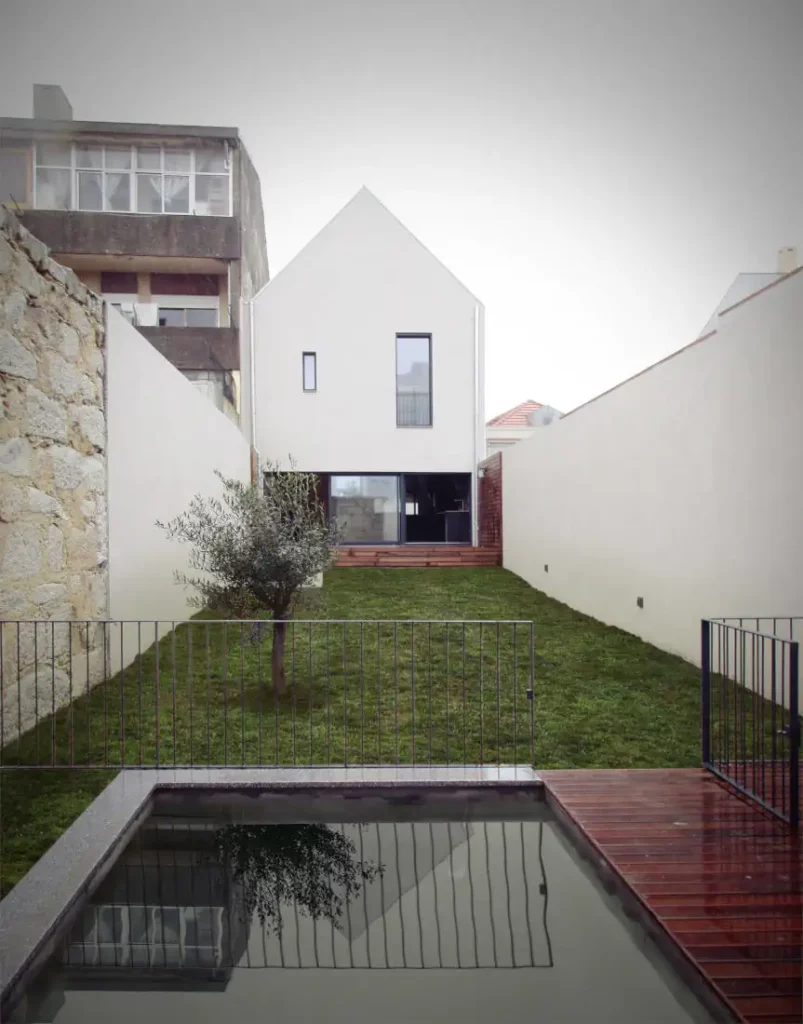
[602, 698]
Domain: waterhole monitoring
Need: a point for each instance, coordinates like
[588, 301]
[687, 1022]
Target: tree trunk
[278, 673]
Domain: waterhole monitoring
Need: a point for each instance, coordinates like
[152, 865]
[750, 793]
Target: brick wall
[490, 510]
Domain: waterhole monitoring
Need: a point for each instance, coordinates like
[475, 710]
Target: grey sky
[597, 171]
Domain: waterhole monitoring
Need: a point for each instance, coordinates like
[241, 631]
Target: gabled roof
[519, 416]
[365, 198]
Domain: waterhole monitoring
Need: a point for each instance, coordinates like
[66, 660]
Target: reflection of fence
[448, 895]
[750, 710]
[115, 694]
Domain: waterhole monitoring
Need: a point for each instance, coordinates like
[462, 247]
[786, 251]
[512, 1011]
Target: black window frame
[304, 387]
[414, 334]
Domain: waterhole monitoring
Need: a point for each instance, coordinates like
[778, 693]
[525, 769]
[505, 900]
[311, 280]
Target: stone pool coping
[32, 913]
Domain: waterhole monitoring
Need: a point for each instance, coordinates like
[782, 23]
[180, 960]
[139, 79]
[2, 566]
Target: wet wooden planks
[721, 876]
[415, 556]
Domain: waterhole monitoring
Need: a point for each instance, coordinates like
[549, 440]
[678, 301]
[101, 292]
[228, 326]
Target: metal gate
[751, 710]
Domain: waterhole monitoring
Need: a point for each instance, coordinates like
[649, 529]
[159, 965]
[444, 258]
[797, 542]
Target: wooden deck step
[417, 556]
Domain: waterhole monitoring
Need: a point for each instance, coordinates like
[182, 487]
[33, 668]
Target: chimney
[787, 259]
[50, 104]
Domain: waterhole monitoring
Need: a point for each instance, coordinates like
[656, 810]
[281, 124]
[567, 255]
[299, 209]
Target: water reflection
[187, 903]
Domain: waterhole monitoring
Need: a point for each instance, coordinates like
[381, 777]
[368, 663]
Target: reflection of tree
[306, 864]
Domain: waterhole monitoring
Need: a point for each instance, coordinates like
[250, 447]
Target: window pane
[14, 176]
[201, 318]
[118, 158]
[171, 317]
[310, 375]
[177, 194]
[149, 158]
[366, 507]
[88, 156]
[90, 194]
[177, 160]
[210, 160]
[118, 191]
[212, 195]
[53, 190]
[53, 154]
[149, 193]
[413, 398]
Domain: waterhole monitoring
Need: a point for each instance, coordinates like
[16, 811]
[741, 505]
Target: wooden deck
[718, 875]
[416, 556]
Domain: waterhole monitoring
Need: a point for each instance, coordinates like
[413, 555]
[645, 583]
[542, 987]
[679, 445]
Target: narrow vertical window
[310, 371]
[413, 380]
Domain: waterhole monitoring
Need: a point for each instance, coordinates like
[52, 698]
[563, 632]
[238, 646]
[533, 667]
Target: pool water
[215, 918]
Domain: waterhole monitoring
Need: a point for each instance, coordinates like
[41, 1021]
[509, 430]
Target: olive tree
[256, 548]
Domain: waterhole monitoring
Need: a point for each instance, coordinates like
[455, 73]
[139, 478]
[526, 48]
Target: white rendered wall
[361, 281]
[683, 486]
[165, 440]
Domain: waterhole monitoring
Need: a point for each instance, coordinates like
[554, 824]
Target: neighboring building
[516, 424]
[747, 284]
[164, 221]
[369, 371]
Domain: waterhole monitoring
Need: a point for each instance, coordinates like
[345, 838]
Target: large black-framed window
[413, 380]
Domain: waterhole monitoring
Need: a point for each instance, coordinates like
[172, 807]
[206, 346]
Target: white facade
[165, 441]
[361, 282]
[682, 486]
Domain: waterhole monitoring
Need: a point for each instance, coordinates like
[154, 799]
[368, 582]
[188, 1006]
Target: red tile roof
[517, 417]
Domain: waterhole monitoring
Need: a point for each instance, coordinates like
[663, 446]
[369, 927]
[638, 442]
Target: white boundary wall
[683, 485]
[165, 440]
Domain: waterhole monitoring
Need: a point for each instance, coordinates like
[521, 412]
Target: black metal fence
[202, 693]
[751, 710]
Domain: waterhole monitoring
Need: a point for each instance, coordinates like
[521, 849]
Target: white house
[368, 370]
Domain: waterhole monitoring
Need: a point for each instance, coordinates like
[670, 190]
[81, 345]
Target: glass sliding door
[366, 508]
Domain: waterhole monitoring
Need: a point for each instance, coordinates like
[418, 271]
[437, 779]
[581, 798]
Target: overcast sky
[597, 171]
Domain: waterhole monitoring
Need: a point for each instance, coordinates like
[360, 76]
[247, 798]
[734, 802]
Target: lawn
[376, 694]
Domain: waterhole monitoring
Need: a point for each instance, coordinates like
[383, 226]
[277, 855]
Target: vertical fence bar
[429, 676]
[362, 702]
[190, 685]
[122, 693]
[448, 688]
[465, 753]
[242, 694]
[3, 691]
[328, 702]
[531, 692]
[36, 687]
[173, 670]
[309, 695]
[515, 697]
[70, 714]
[378, 695]
[705, 683]
[226, 692]
[53, 692]
[139, 689]
[19, 694]
[106, 660]
[498, 733]
[794, 734]
[259, 693]
[208, 698]
[482, 745]
[412, 683]
[345, 705]
[293, 685]
[396, 677]
[156, 686]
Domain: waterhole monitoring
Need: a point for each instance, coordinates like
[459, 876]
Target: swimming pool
[369, 905]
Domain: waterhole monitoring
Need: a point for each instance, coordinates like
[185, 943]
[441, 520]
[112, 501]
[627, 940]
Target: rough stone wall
[53, 520]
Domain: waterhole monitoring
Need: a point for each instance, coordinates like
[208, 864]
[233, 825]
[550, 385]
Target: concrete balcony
[135, 234]
[197, 348]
